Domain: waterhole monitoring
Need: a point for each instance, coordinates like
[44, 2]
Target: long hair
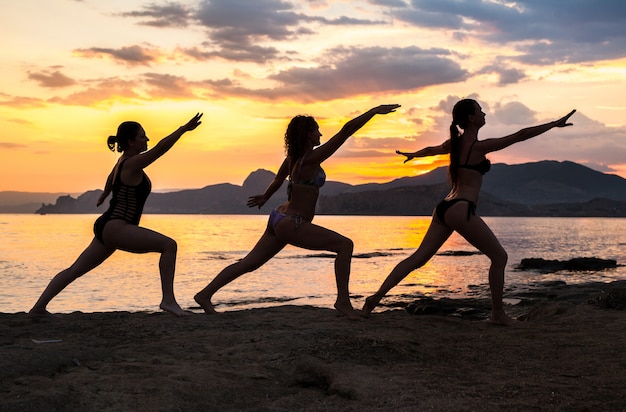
[126, 131]
[296, 135]
[460, 115]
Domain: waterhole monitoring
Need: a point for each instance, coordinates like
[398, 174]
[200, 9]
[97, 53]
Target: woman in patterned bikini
[290, 223]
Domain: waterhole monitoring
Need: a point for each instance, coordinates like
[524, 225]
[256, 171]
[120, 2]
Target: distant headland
[545, 188]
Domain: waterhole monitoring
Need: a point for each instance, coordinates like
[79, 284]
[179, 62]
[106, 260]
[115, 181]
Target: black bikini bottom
[444, 205]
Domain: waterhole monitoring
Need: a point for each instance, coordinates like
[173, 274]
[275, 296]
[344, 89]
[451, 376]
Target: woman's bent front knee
[499, 257]
[347, 245]
[169, 245]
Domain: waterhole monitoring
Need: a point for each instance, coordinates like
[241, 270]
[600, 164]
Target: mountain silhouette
[545, 188]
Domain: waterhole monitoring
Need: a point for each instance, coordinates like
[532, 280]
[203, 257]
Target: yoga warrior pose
[118, 227]
[457, 212]
[290, 223]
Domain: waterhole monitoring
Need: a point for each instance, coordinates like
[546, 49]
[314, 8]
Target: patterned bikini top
[318, 181]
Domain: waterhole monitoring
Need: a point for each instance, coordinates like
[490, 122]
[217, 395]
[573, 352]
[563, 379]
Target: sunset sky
[73, 70]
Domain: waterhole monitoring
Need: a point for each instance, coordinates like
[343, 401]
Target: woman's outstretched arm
[495, 144]
[148, 157]
[283, 172]
[441, 149]
[330, 147]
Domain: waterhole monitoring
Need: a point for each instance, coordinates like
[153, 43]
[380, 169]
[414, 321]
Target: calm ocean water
[34, 248]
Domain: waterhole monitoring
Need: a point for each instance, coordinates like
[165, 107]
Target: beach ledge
[566, 354]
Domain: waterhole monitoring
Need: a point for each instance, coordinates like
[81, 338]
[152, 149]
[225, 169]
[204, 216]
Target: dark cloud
[237, 28]
[545, 32]
[243, 20]
[168, 86]
[167, 15]
[506, 75]
[389, 3]
[54, 79]
[352, 71]
[243, 53]
[130, 55]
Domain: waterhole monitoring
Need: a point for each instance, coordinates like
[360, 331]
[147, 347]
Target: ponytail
[460, 115]
[455, 153]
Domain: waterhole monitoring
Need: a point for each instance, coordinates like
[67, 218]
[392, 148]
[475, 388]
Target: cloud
[545, 32]
[243, 53]
[100, 91]
[130, 55]
[168, 86]
[349, 71]
[506, 75]
[51, 79]
[169, 14]
[237, 29]
[21, 102]
[514, 113]
[11, 145]
[389, 3]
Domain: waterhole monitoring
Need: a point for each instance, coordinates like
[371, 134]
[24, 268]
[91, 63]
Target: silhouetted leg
[476, 232]
[313, 237]
[266, 248]
[91, 257]
[131, 238]
[434, 238]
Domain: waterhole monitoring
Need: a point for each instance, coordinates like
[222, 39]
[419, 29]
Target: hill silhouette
[545, 188]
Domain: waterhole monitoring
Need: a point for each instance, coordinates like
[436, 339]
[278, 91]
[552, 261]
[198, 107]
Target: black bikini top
[482, 167]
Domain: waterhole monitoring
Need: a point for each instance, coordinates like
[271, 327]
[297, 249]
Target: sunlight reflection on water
[35, 248]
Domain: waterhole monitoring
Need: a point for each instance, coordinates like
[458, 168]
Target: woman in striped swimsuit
[118, 227]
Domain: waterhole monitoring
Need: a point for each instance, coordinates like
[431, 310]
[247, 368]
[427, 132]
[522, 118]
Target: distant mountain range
[545, 188]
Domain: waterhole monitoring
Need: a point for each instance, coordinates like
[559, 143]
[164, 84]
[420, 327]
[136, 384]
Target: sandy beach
[566, 354]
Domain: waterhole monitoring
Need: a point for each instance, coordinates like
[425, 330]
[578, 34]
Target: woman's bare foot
[347, 310]
[501, 319]
[369, 305]
[175, 309]
[205, 304]
[39, 314]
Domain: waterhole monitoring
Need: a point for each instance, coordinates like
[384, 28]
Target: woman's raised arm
[499, 143]
[149, 156]
[326, 150]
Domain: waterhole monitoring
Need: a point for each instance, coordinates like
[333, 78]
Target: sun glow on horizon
[74, 70]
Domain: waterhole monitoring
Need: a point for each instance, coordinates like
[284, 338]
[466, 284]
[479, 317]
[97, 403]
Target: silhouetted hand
[193, 123]
[562, 122]
[409, 156]
[258, 200]
[101, 199]
[386, 108]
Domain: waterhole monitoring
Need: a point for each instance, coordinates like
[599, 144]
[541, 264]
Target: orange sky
[73, 70]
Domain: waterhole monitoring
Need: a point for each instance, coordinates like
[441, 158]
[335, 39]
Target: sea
[33, 248]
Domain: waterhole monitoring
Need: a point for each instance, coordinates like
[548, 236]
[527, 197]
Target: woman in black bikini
[118, 227]
[457, 211]
[290, 223]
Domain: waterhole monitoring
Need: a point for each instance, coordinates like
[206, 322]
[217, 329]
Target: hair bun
[111, 142]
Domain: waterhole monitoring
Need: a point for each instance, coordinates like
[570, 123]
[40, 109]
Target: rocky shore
[566, 353]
